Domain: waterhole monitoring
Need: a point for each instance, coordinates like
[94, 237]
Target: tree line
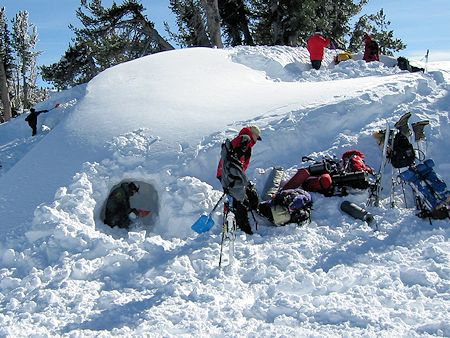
[18, 65]
[108, 36]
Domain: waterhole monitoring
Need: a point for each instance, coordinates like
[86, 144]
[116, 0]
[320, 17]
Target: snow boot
[418, 129]
[379, 136]
[241, 213]
[402, 124]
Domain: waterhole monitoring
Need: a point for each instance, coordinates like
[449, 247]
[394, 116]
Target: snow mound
[160, 121]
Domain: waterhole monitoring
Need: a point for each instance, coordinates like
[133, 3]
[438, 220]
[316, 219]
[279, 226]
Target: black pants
[121, 221]
[241, 213]
[316, 64]
[33, 127]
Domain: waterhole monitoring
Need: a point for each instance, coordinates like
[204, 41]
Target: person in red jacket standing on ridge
[315, 45]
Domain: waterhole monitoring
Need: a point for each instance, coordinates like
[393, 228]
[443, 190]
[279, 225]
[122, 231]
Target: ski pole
[403, 189]
[224, 228]
[221, 245]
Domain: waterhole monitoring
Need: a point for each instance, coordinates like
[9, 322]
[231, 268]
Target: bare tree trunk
[276, 27]
[163, 45]
[4, 93]
[213, 20]
[25, 89]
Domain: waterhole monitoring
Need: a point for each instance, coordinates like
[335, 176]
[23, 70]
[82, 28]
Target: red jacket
[370, 49]
[315, 45]
[243, 143]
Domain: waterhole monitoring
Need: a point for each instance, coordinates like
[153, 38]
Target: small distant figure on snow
[316, 45]
[118, 209]
[371, 49]
[32, 118]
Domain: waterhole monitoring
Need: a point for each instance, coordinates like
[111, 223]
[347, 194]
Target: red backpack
[354, 161]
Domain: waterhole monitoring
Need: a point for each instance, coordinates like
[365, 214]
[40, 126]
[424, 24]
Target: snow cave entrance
[146, 198]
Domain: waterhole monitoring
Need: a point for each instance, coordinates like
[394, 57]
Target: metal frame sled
[430, 191]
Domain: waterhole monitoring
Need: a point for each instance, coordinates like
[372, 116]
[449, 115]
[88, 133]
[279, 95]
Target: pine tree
[234, 16]
[384, 36]
[191, 22]
[6, 65]
[333, 18]
[283, 22]
[108, 36]
[77, 66]
[376, 26]
[24, 39]
[211, 8]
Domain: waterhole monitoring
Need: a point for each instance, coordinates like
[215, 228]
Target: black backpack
[374, 48]
[402, 154]
[403, 63]
[234, 181]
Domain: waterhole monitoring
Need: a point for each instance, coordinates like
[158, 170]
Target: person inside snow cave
[118, 209]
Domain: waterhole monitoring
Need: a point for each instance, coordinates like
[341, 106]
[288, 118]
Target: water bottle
[357, 212]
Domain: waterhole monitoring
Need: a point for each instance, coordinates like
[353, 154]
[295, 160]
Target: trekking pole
[226, 209]
[403, 189]
[221, 245]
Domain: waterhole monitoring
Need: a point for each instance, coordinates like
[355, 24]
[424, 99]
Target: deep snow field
[160, 120]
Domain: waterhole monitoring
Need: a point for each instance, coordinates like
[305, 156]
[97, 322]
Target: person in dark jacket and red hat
[118, 209]
[315, 45]
[32, 119]
[231, 173]
[371, 49]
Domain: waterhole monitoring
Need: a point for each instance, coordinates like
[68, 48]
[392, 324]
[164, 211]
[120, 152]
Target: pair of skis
[229, 228]
[374, 198]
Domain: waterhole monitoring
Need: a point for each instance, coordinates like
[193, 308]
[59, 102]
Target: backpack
[344, 56]
[291, 206]
[233, 179]
[403, 63]
[402, 154]
[354, 161]
[431, 191]
[374, 48]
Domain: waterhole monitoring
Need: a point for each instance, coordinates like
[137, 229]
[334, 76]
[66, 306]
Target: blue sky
[420, 24]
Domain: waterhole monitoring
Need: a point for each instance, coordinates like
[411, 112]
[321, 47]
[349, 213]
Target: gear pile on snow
[431, 195]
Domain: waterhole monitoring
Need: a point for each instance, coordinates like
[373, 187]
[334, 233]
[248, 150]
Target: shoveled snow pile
[160, 120]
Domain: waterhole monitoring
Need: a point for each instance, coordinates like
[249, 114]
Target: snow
[160, 120]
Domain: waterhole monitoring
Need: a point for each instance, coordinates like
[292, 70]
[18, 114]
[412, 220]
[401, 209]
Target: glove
[252, 196]
[143, 213]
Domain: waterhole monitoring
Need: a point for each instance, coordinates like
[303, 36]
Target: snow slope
[161, 120]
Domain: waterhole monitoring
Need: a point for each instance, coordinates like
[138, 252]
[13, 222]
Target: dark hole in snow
[146, 198]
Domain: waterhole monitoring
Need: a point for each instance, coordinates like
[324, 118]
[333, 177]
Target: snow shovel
[205, 222]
